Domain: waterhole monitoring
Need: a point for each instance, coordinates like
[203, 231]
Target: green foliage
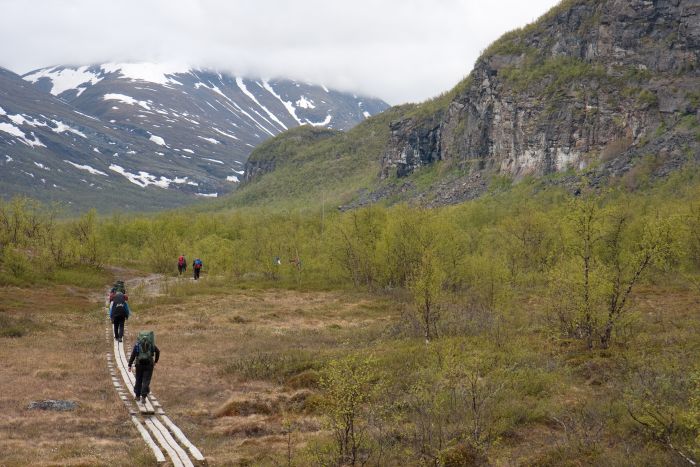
[604, 265]
[426, 286]
[323, 167]
[647, 98]
[553, 73]
[663, 402]
[348, 387]
[34, 246]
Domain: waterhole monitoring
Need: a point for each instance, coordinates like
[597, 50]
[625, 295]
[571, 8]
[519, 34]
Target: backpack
[147, 343]
[181, 261]
[198, 263]
[119, 287]
[118, 306]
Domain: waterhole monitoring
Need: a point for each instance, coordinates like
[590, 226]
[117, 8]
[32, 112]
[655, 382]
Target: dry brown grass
[239, 371]
[233, 418]
[61, 355]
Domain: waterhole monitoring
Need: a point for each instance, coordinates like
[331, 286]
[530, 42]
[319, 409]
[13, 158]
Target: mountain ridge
[184, 131]
[593, 88]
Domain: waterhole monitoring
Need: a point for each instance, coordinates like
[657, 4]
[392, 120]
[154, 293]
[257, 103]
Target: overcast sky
[398, 50]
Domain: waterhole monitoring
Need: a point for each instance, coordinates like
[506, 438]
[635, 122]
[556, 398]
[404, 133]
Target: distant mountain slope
[50, 151]
[170, 134]
[218, 114]
[601, 88]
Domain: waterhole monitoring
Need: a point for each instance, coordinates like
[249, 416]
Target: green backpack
[147, 345]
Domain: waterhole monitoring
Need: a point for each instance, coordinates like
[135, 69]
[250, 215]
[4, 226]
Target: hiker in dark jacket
[144, 371]
[118, 313]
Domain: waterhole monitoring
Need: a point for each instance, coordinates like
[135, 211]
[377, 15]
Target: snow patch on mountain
[305, 103]
[287, 105]
[87, 168]
[158, 140]
[144, 179]
[232, 102]
[232, 178]
[325, 122]
[23, 120]
[159, 73]
[64, 79]
[209, 140]
[242, 87]
[62, 127]
[213, 160]
[223, 133]
[126, 100]
[9, 128]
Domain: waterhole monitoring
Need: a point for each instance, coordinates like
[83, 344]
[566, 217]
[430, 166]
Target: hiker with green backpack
[146, 354]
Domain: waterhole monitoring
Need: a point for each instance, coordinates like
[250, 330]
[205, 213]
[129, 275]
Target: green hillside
[311, 165]
[555, 99]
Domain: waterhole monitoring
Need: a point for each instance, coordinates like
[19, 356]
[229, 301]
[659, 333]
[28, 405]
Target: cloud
[399, 50]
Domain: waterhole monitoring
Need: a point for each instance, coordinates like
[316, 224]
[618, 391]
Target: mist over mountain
[604, 91]
[157, 135]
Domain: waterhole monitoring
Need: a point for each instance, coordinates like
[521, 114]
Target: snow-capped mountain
[151, 134]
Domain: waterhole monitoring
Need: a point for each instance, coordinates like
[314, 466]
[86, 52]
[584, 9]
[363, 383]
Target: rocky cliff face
[590, 81]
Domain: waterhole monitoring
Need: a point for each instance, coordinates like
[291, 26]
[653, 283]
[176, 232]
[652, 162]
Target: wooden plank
[143, 409]
[122, 369]
[168, 437]
[183, 439]
[171, 452]
[160, 458]
[155, 426]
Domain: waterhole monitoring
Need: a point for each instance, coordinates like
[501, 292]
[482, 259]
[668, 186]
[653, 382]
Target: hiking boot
[143, 399]
[119, 339]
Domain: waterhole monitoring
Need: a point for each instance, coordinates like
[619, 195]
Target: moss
[694, 98]
[554, 74]
[647, 98]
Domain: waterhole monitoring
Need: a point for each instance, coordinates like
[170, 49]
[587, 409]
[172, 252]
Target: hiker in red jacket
[181, 264]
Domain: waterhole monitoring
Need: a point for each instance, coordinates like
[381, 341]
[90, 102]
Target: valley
[242, 373]
[505, 274]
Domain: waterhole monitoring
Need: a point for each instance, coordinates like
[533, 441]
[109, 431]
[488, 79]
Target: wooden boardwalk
[157, 430]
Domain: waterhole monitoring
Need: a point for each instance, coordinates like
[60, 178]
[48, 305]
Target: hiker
[181, 264]
[197, 267]
[146, 355]
[113, 293]
[118, 313]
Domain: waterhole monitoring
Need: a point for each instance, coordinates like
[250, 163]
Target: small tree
[347, 385]
[85, 232]
[608, 256]
[426, 288]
